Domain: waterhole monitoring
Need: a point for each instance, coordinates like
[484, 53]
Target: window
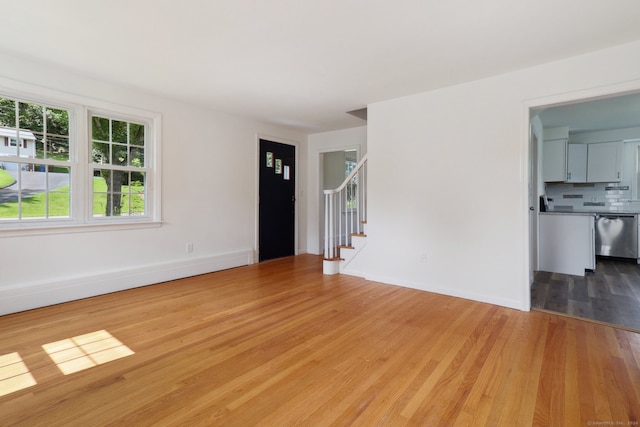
[35, 173]
[63, 164]
[350, 164]
[118, 155]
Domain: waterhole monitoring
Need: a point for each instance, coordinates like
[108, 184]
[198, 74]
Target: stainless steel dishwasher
[617, 235]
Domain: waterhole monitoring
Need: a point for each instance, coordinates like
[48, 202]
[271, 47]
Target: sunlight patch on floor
[14, 374]
[86, 351]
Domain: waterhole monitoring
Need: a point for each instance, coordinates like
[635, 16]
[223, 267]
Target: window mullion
[19, 190]
[45, 141]
[79, 163]
[17, 127]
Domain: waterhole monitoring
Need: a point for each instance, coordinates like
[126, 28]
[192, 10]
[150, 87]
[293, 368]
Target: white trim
[525, 161]
[67, 226]
[443, 290]
[584, 95]
[296, 144]
[22, 297]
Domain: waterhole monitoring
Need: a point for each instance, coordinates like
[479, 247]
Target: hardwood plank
[599, 372]
[376, 397]
[585, 378]
[571, 382]
[512, 393]
[279, 343]
[451, 356]
[632, 359]
[549, 409]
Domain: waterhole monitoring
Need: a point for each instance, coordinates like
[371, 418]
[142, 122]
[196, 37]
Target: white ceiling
[616, 112]
[304, 63]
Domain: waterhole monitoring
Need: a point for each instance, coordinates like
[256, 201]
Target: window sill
[25, 231]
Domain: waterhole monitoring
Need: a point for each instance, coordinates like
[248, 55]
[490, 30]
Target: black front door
[276, 226]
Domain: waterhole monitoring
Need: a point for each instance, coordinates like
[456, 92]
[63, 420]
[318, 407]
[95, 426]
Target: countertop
[567, 213]
[590, 213]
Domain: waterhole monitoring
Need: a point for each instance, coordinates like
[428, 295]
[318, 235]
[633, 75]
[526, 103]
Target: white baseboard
[518, 305]
[34, 295]
[352, 272]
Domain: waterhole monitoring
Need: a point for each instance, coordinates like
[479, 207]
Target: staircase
[345, 218]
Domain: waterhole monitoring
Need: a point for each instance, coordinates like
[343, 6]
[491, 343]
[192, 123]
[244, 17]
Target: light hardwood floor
[280, 344]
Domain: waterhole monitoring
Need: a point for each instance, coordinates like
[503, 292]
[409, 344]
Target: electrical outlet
[423, 258]
[189, 247]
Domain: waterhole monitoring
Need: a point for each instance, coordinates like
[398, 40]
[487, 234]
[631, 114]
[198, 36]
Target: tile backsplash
[599, 197]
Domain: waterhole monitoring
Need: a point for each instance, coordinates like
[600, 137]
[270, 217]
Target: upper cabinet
[577, 163]
[554, 160]
[593, 162]
[604, 162]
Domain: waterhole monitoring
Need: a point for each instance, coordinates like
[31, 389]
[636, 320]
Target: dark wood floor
[610, 294]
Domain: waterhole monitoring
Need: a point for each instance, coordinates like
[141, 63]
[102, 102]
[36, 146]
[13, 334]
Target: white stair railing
[345, 211]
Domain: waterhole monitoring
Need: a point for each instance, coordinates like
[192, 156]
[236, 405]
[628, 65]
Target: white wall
[324, 143]
[209, 199]
[333, 169]
[448, 173]
[605, 135]
[560, 132]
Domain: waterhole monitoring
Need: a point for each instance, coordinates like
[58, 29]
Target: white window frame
[149, 167]
[81, 182]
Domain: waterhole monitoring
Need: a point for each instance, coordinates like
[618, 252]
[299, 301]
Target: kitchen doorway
[611, 292]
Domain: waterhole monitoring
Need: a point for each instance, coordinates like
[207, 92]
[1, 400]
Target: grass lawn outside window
[6, 179]
[35, 206]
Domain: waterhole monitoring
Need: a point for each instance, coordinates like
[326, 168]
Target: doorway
[276, 200]
[611, 292]
[334, 167]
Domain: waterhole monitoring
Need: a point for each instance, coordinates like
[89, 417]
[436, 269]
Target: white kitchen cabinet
[604, 162]
[554, 160]
[566, 243]
[577, 162]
